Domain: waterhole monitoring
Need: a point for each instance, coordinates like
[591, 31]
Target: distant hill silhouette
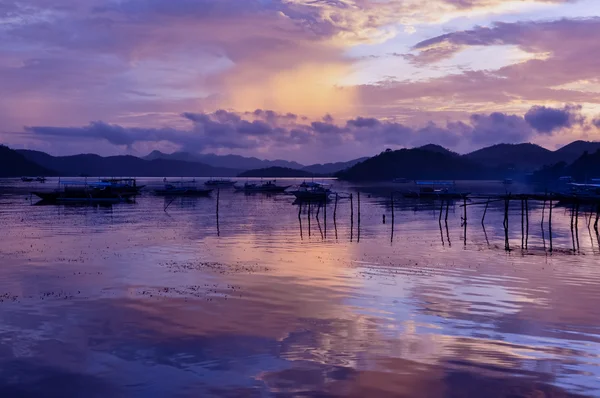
[228, 161]
[573, 151]
[331, 168]
[415, 164]
[94, 165]
[14, 164]
[586, 167]
[520, 157]
[438, 149]
[427, 162]
[277, 172]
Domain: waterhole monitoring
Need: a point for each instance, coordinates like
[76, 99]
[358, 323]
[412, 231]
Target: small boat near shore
[266, 187]
[182, 188]
[436, 190]
[27, 179]
[124, 185]
[83, 192]
[311, 191]
[220, 183]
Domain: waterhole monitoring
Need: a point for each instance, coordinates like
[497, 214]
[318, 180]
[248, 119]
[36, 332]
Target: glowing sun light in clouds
[311, 90]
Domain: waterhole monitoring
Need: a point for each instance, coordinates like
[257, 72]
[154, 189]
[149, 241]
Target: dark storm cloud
[546, 120]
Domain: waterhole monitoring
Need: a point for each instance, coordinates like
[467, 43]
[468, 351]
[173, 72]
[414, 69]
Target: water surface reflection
[132, 300]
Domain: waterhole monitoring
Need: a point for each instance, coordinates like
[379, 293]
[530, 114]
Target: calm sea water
[135, 301]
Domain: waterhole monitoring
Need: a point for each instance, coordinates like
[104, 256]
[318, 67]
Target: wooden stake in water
[325, 217]
[526, 223]
[351, 217]
[218, 197]
[358, 219]
[447, 206]
[485, 212]
[577, 225]
[522, 223]
[392, 202]
[308, 212]
[543, 210]
[300, 219]
[506, 206]
[335, 207]
[550, 224]
[441, 211]
[335, 216]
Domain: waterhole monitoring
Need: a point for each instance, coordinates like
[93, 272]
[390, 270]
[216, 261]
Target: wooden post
[300, 219]
[597, 215]
[572, 225]
[526, 223]
[441, 211]
[325, 217]
[465, 210]
[543, 210]
[447, 206]
[218, 197]
[358, 208]
[308, 212]
[351, 217]
[335, 207]
[550, 225]
[577, 225]
[506, 206]
[522, 224]
[392, 202]
[485, 212]
[358, 218]
[335, 216]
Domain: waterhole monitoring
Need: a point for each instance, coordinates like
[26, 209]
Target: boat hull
[183, 192]
[81, 197]
[272, 189]
[419, 195]
[221, 184]
[311, 196]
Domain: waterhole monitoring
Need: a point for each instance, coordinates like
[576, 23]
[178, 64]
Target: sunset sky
[304, 80]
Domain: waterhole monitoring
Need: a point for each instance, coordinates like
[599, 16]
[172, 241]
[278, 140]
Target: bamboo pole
[550, 224]
[485, 212]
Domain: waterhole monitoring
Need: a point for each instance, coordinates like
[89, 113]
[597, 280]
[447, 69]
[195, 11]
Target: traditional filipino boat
[27, 179]
[311, 191]
[182, 188]
[83, 192]
[124, 185]
[579, 193]
[436, 190]
[220, 183]
[266, 187]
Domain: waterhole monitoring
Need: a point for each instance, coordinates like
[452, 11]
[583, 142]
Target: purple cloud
[265, 129]
[547, 120]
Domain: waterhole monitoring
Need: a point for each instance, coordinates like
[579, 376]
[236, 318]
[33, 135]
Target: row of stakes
[445, 204]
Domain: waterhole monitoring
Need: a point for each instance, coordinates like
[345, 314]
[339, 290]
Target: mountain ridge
[123, 166]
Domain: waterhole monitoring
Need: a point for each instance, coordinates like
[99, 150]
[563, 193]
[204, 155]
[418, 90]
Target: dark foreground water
[133, 301]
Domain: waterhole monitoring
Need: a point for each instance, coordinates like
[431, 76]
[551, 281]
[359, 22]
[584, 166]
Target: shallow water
[135, 301]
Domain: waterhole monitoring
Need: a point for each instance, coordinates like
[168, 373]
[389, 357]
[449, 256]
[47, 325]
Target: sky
[304, 80]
